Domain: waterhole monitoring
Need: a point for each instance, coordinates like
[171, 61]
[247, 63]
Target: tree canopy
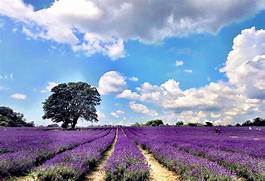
[208, 124]
[156, 122]
[179, 123]
[71, 101]
[255, 122]
[10, 118]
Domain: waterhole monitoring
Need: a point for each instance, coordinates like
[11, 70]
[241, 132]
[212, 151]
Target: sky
[173, 60]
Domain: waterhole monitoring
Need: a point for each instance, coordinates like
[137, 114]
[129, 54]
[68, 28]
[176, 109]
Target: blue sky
[152, 71]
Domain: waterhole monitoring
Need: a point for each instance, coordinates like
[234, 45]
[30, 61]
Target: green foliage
[136, 124]
[53, 126]
[124, 174]
[57, 173]
[255, 122]
[192, 124]
[180, 123]
[247, 123]
[238, 125]
[195, 124]
[208, 124]
[72, 101]
[156, 122]
[9, 118]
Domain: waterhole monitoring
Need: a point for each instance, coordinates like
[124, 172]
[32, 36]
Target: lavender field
[132, 90]
[189, 153]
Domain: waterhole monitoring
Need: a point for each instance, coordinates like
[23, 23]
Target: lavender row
[188, 166]
[21, 139]
[224, 153]
[253, 147]
[126, 162]
[242, 140]
[244, 165]
[20, 162]
[218, 148]
[73, 164]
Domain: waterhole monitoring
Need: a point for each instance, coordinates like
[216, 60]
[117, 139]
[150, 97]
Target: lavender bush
[193, 153]
[45, 146]
[126, 163]
[182, 150]
[73, 164]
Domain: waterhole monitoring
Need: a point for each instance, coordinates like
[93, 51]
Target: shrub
[57, 173]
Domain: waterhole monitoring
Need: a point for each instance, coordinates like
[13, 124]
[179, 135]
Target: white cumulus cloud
[111, 82]
[245, 64]
[102, 26]
[19, 96]
[142, 109]
[134, 79]
[179, 63]
[218, 102]
[49, 87]
[240, 98]
[128, 94]
[117, 113]
[62, 21]
[188, 71]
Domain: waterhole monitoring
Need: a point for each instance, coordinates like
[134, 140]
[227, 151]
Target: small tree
[247, 123]
[258, 122]
[180, 123]
[193, 124]
[238, 125]
[156, 122]
[10, 118]
[208, 124]
[136, 124]
[72, 101]
[53, 126]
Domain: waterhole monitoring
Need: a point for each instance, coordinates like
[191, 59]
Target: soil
[98, 173]
[157, 171]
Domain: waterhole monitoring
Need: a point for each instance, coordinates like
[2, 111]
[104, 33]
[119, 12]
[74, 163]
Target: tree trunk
[74, 122]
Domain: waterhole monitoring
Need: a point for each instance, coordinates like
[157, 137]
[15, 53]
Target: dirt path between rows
[157, 171]
[23, 178]
[98, 173]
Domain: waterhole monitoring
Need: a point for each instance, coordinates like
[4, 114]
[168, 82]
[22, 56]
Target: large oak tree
[71, 101]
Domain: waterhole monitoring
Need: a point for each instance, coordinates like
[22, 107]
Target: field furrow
[133, 154]
[157, 171]
[126, 162]
[98, 174]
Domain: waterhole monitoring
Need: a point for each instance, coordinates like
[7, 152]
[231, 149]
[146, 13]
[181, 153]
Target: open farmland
[132, 90]
[178, 153]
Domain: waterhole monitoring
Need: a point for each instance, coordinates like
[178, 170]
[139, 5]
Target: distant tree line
[155, 122]
[255, 122]
[10, 118]
[159, 122]
[181, 123]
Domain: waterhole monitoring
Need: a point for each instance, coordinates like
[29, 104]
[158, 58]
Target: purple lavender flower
[126, 162]
[30, 147]
[72, 164]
